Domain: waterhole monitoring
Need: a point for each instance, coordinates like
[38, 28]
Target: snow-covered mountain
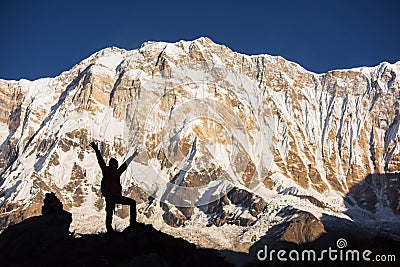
[227, 142]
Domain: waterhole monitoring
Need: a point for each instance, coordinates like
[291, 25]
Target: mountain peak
[267, 134]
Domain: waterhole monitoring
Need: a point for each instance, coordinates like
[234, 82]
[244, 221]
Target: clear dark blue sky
[43, 38]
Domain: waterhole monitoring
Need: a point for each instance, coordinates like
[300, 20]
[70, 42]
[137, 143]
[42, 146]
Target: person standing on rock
[111, 186]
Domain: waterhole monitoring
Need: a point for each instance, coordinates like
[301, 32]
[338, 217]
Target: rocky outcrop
[174, 217]
[255, 204]
[29, 237]
[141, 246]
[367, 193]
[249, 204]
[303, 228]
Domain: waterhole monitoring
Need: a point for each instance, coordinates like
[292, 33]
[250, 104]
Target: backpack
[110, 187]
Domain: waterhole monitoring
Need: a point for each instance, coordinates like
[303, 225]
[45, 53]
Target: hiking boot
[110, 230]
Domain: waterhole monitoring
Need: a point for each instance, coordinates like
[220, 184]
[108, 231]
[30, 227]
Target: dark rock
[245, 221]
[216, 205]
[239, 197]
[313, 201]
[145, 247]
[149, 211]
[186, 211]
[36, 233]
[221, 219]
[174, 218]
[146, 260]
[303, 228]
[252, 202]
[257, 205]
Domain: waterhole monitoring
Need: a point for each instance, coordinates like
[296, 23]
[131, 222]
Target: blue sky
[43, 38]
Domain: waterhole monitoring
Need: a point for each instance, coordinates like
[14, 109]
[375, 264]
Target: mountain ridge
[317, 141]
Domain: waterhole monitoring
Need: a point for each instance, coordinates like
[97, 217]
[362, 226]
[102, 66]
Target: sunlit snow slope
[226, 140]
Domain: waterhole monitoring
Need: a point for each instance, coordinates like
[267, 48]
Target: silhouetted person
[111, 187]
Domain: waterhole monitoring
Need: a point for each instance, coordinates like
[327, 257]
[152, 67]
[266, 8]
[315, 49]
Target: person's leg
[132, 203]
[132, 213]
[110, 205]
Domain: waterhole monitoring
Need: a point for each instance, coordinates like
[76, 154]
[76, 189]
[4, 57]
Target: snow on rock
[269, 134]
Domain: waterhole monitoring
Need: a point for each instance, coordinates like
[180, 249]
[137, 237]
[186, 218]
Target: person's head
[113, 163]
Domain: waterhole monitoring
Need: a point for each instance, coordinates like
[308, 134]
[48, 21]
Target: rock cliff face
[225, 139]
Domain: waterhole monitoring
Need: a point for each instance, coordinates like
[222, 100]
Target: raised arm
[128, 161]
[98, 155]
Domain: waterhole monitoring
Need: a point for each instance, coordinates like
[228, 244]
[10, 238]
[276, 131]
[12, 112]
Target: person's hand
[94, 146]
